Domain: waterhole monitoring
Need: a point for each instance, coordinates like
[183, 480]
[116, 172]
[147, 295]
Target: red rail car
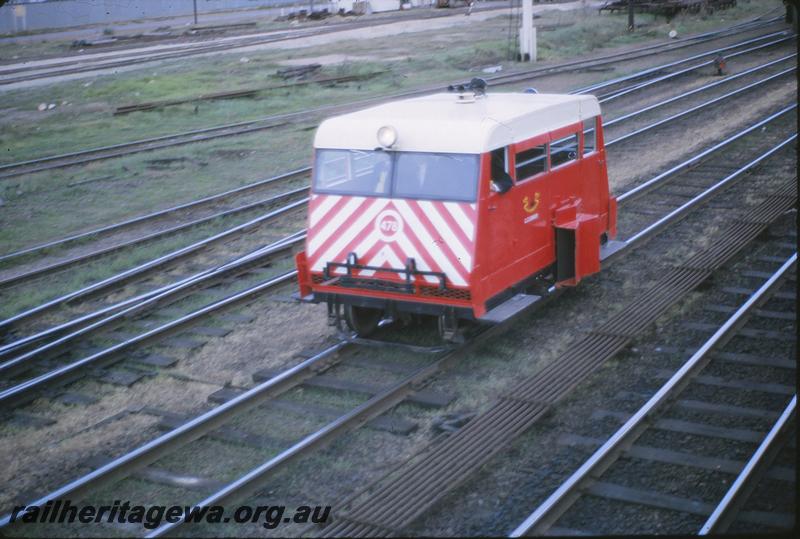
[453, 204]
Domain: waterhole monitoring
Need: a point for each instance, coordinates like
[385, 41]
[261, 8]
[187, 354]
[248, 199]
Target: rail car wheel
[362, 320]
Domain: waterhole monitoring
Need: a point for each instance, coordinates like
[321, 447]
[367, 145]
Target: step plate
[611, 248]
[509, 308]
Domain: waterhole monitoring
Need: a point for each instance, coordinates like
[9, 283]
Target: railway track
[382, 400]
[249, 189]
[68, 339]
[155, 276]
[14, 73]
[58, 67]
[211, 200]
[72, 335]
[136, 52]
[107, 319]
[10, 170]
[691, 429]
[160, 263]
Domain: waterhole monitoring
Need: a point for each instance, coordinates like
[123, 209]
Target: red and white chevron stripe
[383, 232]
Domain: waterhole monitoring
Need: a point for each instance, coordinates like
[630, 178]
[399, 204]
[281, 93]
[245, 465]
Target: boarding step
[509, 308]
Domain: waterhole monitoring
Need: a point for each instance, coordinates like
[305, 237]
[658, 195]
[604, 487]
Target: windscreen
[432, 176]
[436, 176]
[353, 172]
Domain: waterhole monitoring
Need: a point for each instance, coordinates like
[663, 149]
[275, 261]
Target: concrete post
[527, 33]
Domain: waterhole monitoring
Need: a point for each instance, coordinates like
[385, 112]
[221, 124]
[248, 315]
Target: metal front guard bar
[352, 265]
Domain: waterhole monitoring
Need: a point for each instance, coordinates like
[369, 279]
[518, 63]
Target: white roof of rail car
[440, 123]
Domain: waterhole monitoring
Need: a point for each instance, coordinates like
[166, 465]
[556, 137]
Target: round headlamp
[387, 136]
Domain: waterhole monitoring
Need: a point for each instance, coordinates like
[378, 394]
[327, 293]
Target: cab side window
[499, 165]
[531, 162]
[564, 150]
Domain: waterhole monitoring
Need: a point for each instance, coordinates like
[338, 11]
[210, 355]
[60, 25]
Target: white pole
[527, 35]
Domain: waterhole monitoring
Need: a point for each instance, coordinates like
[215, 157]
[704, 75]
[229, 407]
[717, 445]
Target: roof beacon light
[387, 136]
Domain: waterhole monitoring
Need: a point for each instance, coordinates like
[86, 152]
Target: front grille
[375, 284]
[450, 293]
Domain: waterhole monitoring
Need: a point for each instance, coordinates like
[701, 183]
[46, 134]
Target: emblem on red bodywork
[389, 225]
[527, 206]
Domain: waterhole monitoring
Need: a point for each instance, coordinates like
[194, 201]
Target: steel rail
[156, 214]
[22, 389]
[149, 265]
[565, 495]
[191, 430]
[139, 142]
[658, 68]
[697, 90]
[375, 406]
[100, 61]
[289, 33]
[153, 450]
[682, 210]
[657, 80]
[87, 257]
[703, 105]
[499, 79]
[725, 513]
[137, 270]
[153, 298]
[644, 187]
[121, 58]
[169, 142]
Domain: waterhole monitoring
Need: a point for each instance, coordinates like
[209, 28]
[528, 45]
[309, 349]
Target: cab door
[594, 179]
[532, 209]
[499, 242]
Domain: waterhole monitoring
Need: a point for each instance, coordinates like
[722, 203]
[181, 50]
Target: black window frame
[545, 157]
[568, 159]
